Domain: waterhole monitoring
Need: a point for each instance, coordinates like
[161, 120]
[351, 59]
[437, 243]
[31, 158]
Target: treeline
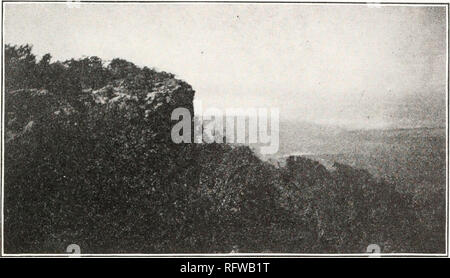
[24, 71]
[108, 178]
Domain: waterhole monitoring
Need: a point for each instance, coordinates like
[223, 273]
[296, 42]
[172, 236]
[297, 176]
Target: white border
[233, 255]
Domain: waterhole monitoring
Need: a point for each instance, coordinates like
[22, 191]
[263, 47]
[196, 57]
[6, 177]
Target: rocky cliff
[89, 161]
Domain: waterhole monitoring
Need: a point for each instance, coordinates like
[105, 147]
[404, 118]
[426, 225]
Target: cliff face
[88, 165]
[89, 161]
[30, 107]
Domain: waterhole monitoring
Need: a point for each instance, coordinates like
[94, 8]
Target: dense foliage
[89, 160]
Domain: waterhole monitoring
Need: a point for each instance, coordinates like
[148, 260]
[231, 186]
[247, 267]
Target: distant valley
[409, 157]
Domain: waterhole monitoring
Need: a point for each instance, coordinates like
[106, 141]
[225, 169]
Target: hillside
[409, 157]
[89, 160]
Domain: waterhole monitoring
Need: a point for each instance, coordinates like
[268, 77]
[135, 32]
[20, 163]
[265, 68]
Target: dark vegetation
[89, 160]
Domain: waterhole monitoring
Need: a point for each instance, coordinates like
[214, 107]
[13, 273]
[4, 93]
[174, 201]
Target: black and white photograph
[224, 129]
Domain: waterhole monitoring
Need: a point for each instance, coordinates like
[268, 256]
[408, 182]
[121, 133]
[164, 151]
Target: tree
[20, 67]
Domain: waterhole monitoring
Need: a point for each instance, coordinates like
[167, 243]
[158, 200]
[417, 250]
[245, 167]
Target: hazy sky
[350, 65]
